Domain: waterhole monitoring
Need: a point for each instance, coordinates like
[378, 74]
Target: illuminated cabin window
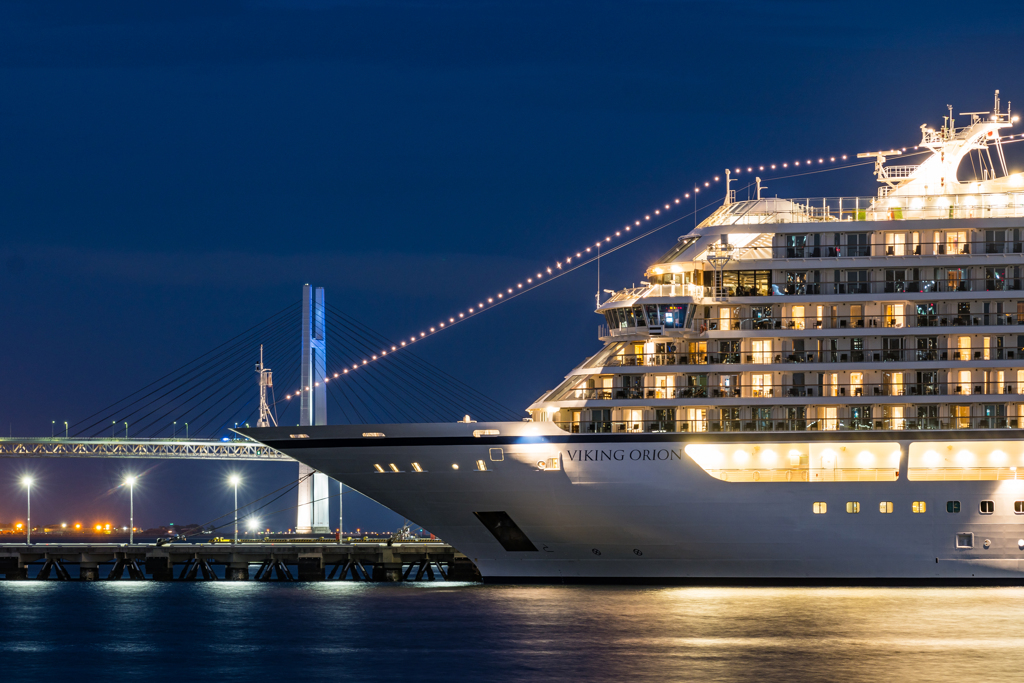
[952, 506]
[485, 432]
[965, 460]
[481, 465]
[987, 507]
[496, 454]
[378, 468]
[394, 467]
[820, 508]
[373, 435]
[416, 467]
[853, 507]
[885, 507]
[1018, 507]
[833, 461]
[965, 540]
[298, 436]
[918, 506]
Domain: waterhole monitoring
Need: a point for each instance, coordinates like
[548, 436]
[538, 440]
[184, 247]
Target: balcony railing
[973, 354]
[875, 209]
[901, 250]
[751, 390]
[670, 426]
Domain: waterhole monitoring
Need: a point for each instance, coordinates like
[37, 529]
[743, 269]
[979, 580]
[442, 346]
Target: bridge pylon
[314, 508]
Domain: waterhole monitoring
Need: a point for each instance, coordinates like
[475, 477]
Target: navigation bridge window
[675, 316]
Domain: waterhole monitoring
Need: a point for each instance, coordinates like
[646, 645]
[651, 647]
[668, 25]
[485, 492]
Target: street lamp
[174, 430]
[27, 483]
[254, 525]
[126, 430]
[130, 480]
[235, 481]
[65, 429]
[186, 430]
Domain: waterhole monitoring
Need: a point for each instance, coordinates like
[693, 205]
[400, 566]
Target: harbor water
[435, 631]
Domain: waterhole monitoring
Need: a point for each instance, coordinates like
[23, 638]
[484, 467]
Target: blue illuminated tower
[313, 510]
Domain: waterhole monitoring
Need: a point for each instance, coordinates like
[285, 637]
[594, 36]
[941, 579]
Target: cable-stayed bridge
[207, 397]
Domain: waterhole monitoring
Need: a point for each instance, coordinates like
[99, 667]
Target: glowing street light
[254, 525]
[27, 483]
[130, 481]
[235, 481]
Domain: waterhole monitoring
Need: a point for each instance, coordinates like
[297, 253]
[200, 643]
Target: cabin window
[762, 384]
[820, 508]
[885, 507]
[965, 540]
[1018, 507]
[853, 507]
[918, 506]
[762, 351]
[952, 506]
[987, 507]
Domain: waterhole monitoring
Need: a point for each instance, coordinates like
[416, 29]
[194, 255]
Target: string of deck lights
[534, 281]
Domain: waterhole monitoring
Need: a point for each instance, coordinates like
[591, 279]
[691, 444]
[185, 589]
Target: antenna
[996, 110]
[759, 186]
[266, 382]
[730, 195]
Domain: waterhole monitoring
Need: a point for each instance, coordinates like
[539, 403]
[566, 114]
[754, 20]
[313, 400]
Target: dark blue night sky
[172, 173]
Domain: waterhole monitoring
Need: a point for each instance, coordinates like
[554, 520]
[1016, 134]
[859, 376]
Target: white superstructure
[826, 388]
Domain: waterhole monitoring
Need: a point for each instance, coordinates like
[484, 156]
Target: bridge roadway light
[235, 480]
[65, 429]
[130, 481]
[27, 483]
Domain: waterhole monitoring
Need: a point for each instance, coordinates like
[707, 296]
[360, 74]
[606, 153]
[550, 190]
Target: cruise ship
[826, 389]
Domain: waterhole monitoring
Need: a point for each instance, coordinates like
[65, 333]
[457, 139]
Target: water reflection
[382, 632]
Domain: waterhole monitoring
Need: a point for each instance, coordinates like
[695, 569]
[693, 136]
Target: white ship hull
[638, 508]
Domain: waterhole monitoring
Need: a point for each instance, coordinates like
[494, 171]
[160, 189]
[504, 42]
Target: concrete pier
[273, 561]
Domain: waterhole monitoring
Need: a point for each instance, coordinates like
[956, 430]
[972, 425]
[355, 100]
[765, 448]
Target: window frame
[992, 508]
[919, 507]
[819, 507]
[885, 507]
[965, 535]
[953, 507]
[1018, 504]
[853, 507]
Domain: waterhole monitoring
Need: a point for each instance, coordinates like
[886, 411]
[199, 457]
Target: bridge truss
[170, 449]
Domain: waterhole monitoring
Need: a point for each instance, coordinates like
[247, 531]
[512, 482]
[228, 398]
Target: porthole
[885, 507]
[853, 507]
[820, 508]
[987, 507]
[952, 506]
[918, 506]
[1018, 507]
